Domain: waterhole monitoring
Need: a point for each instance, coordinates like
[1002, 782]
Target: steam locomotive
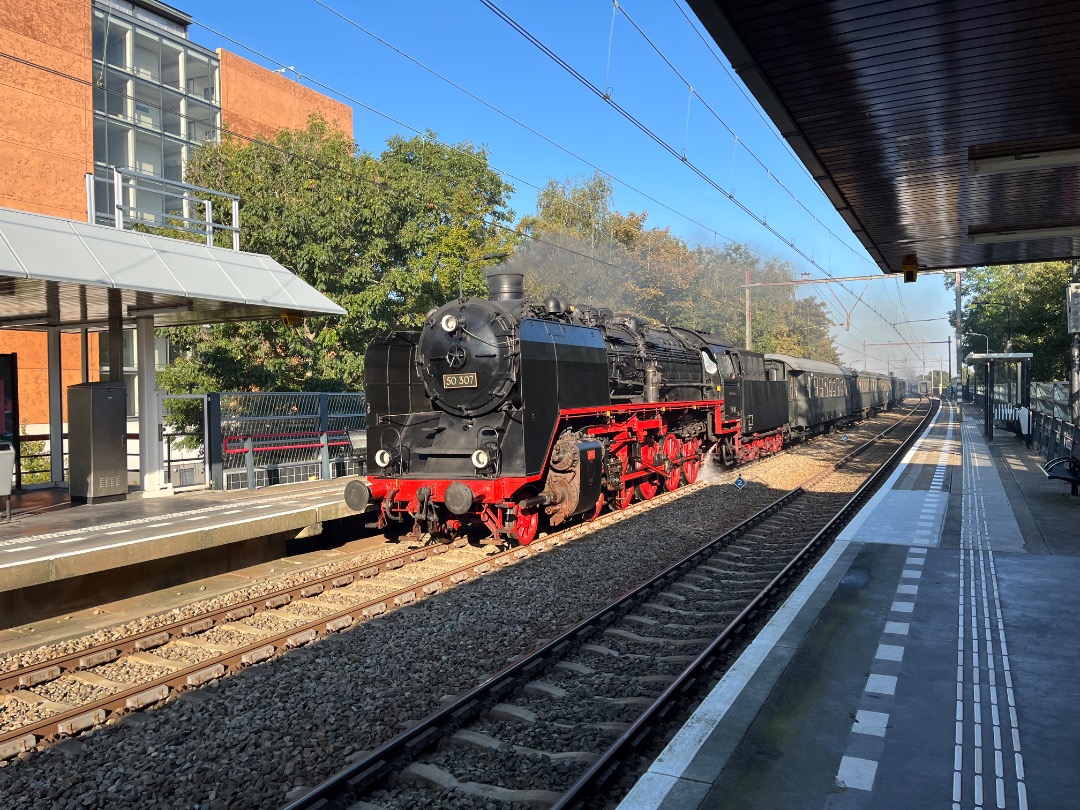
[502, 410]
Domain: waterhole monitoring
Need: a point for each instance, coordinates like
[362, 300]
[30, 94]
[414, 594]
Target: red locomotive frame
[646, 438]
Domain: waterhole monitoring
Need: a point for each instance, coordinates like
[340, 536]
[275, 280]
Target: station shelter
[1002, 389]
[59, 276]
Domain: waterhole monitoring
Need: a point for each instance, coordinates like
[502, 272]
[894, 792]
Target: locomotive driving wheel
[526, 525]
[647, 487]
[673, 449]
[692, 465]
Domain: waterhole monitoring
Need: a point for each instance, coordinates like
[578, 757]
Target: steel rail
[145, 640]
[370, 770]
[397, 752]
[601, 772]
[92, 713]
[50, 669]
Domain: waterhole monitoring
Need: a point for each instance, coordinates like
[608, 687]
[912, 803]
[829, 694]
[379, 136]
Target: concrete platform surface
[936, 671]
[84, 540]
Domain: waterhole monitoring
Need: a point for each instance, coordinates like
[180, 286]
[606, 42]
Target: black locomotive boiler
[502, 409]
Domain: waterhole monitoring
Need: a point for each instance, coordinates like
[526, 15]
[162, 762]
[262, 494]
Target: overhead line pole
[839, 280]
[748, 285]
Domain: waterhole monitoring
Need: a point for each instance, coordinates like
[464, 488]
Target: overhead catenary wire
[709, 46]
[616, 8]
[281, 150]
[659, 140]
[345, 18]
[679, 4]
[423, 134]
[494, 108]
[686, 82]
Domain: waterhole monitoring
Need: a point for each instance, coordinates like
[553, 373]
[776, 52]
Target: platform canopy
[60, 273]
[945, 133]
[995, 357]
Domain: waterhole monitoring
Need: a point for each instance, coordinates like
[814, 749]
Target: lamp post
[976, 334]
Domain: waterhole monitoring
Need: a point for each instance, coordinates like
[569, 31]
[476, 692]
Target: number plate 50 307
[459, 380]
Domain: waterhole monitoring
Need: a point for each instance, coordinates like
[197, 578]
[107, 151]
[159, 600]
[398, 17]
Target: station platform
[928, 660]
[70, 545]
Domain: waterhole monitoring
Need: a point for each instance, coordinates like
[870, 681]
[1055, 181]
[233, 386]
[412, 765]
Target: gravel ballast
[248, 741]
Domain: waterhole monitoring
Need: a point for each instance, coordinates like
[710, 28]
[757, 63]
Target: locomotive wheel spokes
[526, 525]
[623, 498]
[647, 487]
[673, 450]
[692, 465]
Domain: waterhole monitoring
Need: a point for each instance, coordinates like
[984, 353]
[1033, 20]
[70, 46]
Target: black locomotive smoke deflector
[505, 285]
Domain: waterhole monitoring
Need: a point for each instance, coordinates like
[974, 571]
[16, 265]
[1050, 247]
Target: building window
[155, 96]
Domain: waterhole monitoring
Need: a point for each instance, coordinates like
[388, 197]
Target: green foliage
[1021, 308]
[583, 250]
[35, 466]
[385, 237]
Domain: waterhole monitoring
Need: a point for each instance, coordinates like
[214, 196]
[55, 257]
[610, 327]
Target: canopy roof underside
[947, 131]
[56, 272]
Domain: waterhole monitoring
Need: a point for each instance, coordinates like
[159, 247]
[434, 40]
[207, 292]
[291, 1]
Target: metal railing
[35, 468]
[263, 439]
[185, 462]
[236, 441]
[1053, 436]
[1051, 398]
[126, 183]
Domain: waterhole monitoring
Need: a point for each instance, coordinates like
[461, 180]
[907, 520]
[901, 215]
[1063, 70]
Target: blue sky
[468, 44]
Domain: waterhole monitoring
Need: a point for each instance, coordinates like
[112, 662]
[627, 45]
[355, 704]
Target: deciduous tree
[385, 237]
[1021, 308]
[585, 251]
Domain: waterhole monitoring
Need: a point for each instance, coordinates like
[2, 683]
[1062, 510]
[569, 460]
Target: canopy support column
[56, 408]
[116, 337]
[150, 455]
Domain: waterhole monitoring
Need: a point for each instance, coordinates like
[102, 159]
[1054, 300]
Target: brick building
[86, 85]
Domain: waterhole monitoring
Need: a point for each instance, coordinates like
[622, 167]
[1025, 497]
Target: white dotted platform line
[859, 773]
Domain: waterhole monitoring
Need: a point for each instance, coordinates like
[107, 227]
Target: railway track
[68, 694]
[554, 728]
[65, 695]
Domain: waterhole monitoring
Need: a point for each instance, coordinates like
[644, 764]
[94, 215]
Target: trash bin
[7, 469]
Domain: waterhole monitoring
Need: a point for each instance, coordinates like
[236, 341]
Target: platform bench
[1065, 468]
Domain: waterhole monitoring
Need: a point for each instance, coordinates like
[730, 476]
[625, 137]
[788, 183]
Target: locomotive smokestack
[505, 285]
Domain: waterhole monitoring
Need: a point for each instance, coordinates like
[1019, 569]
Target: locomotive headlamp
[383, 458]
[449, 322]
[481, 458]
